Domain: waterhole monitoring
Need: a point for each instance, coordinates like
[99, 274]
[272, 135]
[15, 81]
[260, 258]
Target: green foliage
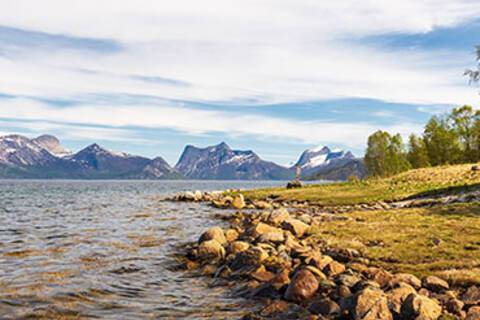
[417, 152]
[385, 155]
[442, 142]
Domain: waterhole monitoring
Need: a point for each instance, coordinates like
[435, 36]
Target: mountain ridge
[45, 157]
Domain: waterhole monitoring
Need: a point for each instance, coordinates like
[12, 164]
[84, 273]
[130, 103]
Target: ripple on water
[102, 249]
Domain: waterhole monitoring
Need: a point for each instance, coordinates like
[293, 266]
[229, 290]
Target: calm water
[101, 249]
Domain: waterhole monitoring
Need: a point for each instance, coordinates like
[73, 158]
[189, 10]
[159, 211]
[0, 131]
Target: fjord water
[103, 249]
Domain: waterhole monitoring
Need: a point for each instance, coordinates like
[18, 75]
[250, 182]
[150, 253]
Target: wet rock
[261, 274]
[325, 307]
[418, 307]
[278, 216]
[435, 284]
[454, 306]
[334, 268]
[281, 279]
[239, 246]
[211, 249]
[231, 235]
[370, 304]
[214, 233]
[295, 226]
[238, 202]
[473, 313]
[273, 308]
[302, 287]
[406, 278]
[471, 296]
[396, 297]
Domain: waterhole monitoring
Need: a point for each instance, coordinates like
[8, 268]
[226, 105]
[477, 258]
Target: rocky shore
[272, 254]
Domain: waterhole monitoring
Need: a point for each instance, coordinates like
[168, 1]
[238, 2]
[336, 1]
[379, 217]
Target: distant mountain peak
[52, 145]
[320, 158]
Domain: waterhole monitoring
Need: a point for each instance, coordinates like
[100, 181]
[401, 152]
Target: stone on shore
[211, 249]
[435, 284]
[238, 202]
[471, 296]
[295, 226]
[302, 287]
[406, 278]
[214, 233]
[396, 297]
[278, 216]
[370, 304]
[334, 268]
[239, 246]
[325, 307]
[473, 313]
[263, 228]
[231, 235]
[418, 307]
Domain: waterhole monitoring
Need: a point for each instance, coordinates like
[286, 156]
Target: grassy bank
[408, 184]
[441, 240]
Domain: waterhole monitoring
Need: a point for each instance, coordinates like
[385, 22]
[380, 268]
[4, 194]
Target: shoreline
[270, 253]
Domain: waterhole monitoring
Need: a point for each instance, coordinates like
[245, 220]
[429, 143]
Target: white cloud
[195, 121]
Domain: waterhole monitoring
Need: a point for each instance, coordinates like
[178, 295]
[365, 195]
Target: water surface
[102, 249]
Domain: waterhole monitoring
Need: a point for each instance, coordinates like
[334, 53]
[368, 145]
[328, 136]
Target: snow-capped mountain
[318, 160]
[44, 157]
[221, 162]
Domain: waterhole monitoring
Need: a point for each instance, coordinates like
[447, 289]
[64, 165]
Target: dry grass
[438, 179]
[443, 241]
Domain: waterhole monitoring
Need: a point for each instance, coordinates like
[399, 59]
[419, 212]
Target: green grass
[444, 240]
[414, 182]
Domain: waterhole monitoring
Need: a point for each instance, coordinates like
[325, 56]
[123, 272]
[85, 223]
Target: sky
[274, 76]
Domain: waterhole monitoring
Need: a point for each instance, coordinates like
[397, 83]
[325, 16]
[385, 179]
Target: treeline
[450, 139]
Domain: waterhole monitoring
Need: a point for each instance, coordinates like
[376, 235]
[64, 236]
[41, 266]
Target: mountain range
[44, 157]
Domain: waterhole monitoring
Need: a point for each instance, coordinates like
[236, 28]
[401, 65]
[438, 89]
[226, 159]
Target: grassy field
[414, 182]
[443, 241]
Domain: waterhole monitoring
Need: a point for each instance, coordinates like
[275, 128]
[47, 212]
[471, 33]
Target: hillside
[408, 184]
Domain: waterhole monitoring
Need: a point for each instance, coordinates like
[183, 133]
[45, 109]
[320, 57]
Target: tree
[385, 155]
[442, 142]
[376, 155]
[463, 120]
[417, 152]
[474, 75]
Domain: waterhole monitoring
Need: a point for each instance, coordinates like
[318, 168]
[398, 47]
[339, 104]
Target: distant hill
[221, 162]
[322, 163]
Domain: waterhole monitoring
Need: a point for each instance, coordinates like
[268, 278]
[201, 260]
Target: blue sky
[148, 77]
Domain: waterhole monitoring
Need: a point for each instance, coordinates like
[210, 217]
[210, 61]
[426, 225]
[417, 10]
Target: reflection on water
[101, 249]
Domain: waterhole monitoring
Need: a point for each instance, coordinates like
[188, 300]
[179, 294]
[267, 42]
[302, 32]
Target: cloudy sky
[275, 76]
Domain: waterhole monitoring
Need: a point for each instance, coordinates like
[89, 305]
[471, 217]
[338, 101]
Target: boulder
[198, 196]
[471, 296]
[260, 204]
[295, 226]
[302, 287]
[334, 268]
[406, 278]
[325, 307]
[473, 313]
[418, 307]
[380, 276]
[261, 274]
[281, 279]
[211, 249]
[396, 297]
[277, 237]
[455, 306]
[435, 284]
[231, 235]
[238, 202]
[239, 246]
[214, 233]
[278, 216]
[370, 304]
[320, 261]
[189, 196]
[263, 228]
